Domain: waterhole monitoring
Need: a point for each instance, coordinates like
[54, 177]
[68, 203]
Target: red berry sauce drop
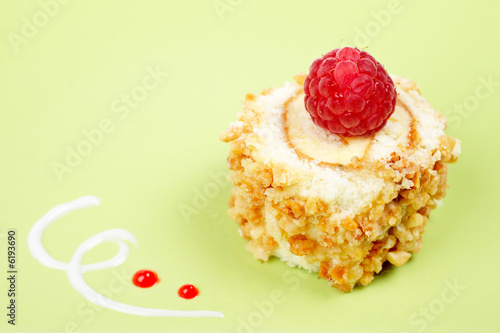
[145, 278]
[188, 291]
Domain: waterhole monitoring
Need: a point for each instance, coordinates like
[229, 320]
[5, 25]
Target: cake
[337, 205]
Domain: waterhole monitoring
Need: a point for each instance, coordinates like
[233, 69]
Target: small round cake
[337, 205]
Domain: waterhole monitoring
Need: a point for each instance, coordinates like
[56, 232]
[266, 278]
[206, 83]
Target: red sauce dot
[145, 278]
[188, 291]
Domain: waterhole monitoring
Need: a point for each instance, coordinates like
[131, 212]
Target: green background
[68, 73]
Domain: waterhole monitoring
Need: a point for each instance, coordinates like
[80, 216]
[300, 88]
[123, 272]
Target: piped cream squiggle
[74, 269]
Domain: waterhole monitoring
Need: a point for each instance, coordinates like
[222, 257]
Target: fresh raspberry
[349, 93]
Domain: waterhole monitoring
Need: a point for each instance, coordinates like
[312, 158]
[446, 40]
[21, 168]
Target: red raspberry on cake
[324, 202]
[349, 93]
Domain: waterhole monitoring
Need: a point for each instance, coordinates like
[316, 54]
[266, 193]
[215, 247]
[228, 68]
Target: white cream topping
[351, 190]
[325, 146]
[74, 269]
[348, 190]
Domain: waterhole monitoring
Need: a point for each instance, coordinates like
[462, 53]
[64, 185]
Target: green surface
[69, 75]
